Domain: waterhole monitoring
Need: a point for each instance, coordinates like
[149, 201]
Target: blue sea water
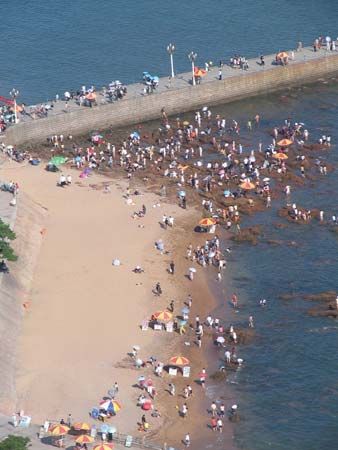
[50, 46]
[288, 389]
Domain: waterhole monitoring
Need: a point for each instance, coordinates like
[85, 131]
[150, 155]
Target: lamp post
[14, 93]
[192, 58]
[171, 49]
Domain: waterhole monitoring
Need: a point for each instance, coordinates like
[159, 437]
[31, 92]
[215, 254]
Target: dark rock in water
[219, 376]
[280, 225]
[249, 234]
[328, 296]
[274, 242]
[288, 296]
[328, 306]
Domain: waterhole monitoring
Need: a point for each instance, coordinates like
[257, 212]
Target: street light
[171, 49]
[14, 93]
[192, 57]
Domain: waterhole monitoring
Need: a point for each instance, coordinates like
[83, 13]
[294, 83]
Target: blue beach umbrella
[185, 310]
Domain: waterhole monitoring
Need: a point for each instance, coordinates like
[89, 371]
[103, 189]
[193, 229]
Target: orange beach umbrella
[103, 447]
[59, 430]
[81, 426]
[163, 315]
[284, 142]
[199, 72]
[208, 222]
[280, 156]
[179, 361]
[247, 185]
[84, 439]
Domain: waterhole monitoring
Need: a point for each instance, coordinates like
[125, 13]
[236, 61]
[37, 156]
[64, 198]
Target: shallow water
[288, 389]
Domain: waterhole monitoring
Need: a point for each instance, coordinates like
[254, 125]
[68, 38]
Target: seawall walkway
[177, 96]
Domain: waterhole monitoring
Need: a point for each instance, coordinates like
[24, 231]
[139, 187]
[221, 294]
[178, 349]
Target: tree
[6, 235]
[14, 443]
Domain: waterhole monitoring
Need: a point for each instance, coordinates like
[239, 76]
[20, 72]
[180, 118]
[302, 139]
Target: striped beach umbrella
[280, 156]
[284, 142]
[163, 315]
[103, 447]
[207, 222]
[111, 406]
[179, 361]
[81, 426]
[84, 439]
[59, 430]
[247, 185]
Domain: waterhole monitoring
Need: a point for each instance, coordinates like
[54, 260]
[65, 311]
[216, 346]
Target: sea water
[48, 47]
[288, 389]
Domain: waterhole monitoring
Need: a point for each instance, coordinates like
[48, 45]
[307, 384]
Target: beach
[82, 315]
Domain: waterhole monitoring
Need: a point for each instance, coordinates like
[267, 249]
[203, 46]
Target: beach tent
[57, 160]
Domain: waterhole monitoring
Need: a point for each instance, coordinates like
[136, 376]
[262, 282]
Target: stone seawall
[142, 108]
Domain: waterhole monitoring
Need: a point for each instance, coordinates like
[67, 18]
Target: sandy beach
[83, 315]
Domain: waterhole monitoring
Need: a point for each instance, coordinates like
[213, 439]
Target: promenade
[176, 95]
[183, 80]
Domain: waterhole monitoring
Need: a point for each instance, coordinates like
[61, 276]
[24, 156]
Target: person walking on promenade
[213, 409]
[251, 322]
[172, 389]
[184, 411]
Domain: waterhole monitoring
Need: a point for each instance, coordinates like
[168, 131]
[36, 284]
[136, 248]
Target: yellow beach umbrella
[163, 315]
[59, 430]
[103, 447]
[81, 426]
[247, 185]
[84, 439]
[207, 222]
[284, 142]
[280, 156]
[179, 361]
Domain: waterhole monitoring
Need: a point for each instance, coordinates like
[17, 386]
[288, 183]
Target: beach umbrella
[207, 222]
[179, 361]
[220, 340]
[84, 439]
[181, 323]
[111, 406]
[247, 185]
[280, 156]
[183, 168]
[163, 315]
[104, 428]
[199, 72]
[185, 310]
[192, 269]
[81, 426]
[59, 430]
[185, 123]
[284, 142]
[181, 194]
[58, 160]
[226, 193]
[103, 447]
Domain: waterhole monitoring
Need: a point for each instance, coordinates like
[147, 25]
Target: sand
[84, 314]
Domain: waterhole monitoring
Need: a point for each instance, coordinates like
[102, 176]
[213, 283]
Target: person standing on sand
[213, 409]
[172, 389]
[171, 306]
[187, 440]
[172, 268]
[213, 424]
[184, 411]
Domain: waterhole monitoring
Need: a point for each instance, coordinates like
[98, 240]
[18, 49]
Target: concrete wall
[139, 109]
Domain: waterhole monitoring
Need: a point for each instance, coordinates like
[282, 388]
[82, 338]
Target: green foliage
[14, 443]
[6, 251]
